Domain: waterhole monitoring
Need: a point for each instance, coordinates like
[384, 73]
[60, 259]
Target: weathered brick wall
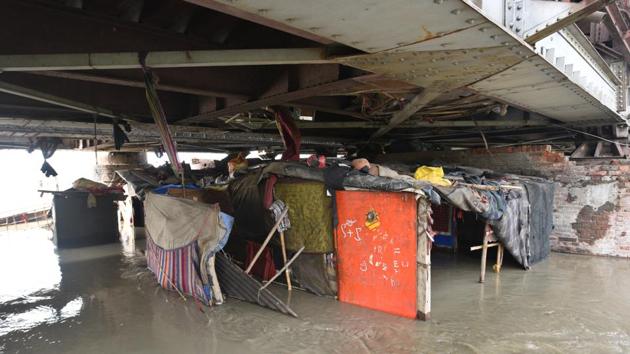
[592, 198]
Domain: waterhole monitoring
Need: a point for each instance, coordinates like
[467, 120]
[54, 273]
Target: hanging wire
[483, 136]
[591, 135]
[95, 142]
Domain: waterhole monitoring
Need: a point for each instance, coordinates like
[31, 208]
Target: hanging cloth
[290, 134]
[120, 137]
[48, 146]
[292, 140]
[157, 111]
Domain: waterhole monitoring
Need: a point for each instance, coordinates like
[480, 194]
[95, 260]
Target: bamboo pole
[484, 256]
[271, 233]
[284, 258]
[286, 266]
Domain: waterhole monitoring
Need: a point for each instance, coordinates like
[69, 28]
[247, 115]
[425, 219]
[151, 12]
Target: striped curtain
[178, 268]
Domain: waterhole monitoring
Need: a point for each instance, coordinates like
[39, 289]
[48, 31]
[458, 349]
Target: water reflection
[40, 315]
[29, 265]
[72, 309]
[100, 301]
[27, 320]
[31, 278]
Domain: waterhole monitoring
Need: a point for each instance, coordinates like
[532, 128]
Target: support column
[109, 162]
[423, 276]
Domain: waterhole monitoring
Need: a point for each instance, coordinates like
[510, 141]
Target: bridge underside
[401, 75]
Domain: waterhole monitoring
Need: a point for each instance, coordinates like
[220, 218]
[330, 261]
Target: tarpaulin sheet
[138, 181]
[540, 197]
[174, 224]
[316, 273]
[512, 229]
[310, 212]
[252, 220]
[523, 229]
[351, 179]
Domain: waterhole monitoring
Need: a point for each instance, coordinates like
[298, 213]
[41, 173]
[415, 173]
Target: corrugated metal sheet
[237, 284]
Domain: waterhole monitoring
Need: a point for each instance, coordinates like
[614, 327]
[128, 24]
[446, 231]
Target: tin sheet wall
[376, 250]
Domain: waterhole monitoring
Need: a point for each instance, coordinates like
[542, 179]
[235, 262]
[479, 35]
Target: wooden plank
[423, 274]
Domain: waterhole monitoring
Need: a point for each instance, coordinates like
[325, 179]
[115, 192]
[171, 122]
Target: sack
[434, 175]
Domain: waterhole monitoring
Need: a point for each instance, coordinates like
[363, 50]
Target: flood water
[103, 300]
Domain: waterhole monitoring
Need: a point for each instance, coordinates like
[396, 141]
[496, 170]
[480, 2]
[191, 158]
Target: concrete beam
[164, 59]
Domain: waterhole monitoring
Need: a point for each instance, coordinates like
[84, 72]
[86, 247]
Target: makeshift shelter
[366, 226]
[86, 214]
[360, 235]
[182, 238]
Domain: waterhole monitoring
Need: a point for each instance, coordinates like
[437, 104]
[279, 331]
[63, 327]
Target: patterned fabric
[310, 212]
[277, 208]
[178, 268]
[182, 237]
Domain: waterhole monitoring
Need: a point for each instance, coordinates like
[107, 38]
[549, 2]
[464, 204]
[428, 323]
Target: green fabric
[310, 212]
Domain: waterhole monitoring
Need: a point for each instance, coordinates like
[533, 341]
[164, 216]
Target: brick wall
[592, 198]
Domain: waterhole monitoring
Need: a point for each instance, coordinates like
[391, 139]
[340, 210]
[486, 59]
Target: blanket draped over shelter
[182, 236]
[521, 217]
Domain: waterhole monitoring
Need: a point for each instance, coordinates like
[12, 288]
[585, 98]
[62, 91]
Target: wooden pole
[286, 266]
[475, 248]
[497, 267]
[423, 261]
[284, 258]
[484, 255]
[262, 247]
[216, 288]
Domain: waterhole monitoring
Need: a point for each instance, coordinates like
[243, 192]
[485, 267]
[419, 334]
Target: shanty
[272, 176]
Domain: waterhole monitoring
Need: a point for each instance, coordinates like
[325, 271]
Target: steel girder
[443, 45]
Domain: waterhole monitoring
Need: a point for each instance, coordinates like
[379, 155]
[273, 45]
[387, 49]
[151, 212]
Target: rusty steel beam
[21, 127]
[139, 84]
[77, 12]
[618, 28]
[414, 105]
[163, 59]
[336, 87]
[422, 124]
[580, 11]
[35, 95]
[233, 11]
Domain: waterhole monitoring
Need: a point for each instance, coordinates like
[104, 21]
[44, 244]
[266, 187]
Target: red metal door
[376, 250]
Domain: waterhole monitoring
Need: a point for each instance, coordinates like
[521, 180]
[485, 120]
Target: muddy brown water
[102, 300]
